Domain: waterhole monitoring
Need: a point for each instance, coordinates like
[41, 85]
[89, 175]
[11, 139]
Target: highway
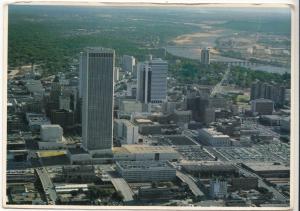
[47, 184]
[192, 185]
[261, 183]
[121, 185]
[218, 87]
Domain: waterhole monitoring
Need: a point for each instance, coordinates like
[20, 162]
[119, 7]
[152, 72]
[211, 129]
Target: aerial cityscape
[148, 106]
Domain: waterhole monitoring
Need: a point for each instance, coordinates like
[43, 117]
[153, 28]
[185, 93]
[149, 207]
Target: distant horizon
[183, 8]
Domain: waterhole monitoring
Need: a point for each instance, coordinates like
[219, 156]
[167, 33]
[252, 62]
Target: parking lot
[262, 153]
[194, 152]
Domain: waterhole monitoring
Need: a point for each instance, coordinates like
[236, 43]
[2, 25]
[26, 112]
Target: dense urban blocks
[168, 107]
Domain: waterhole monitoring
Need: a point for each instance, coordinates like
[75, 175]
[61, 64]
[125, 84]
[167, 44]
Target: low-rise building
[268, 169]
[214, 138]
[34, 86]
[262, 106]
[130, 106]
[126, 131]
[35, 120]
[244, 183]
[67, 188]
[79, 173]
[150, 129]
[79, 156]
[218, 188]
[158, 193]
[271, 120]
[208, 168]
[285, 124]
[145, 152]
[49, 145]
[145, 171]
[183, 116]
[51, 133]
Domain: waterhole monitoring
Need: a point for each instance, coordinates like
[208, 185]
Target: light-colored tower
[205, 57]
[152, 81]
[128, 62]
[97, 99]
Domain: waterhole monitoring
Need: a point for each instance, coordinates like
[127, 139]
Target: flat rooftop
[75, 151]
[98, 50]
[143, 121]
[50, 126]
[132, 165]
[267, 166]
[51, 153]
[142, 149]
[175, 140]
[207, 166]
[213, 132]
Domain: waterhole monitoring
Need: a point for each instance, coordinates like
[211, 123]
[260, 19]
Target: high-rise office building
[205, 57]
[198, 106]
[128, 63]
[97, 67]
[152, 81]
[143, 82]
[55, 92]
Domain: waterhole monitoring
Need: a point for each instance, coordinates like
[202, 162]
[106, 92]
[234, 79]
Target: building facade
[128, 63]
[205, 57]
[213, 138]
[143, 171]
[218, 188]
[262, 106]
[97, 67]
[152, 81]
[273, 92]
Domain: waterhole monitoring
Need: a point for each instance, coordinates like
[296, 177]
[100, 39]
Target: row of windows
[100, 55]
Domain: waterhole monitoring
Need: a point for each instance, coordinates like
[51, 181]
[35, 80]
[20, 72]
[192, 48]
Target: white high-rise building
[126, 131]
[97, 68]
[128, 62]
[152, 81]
[116, 74]
[205, 57]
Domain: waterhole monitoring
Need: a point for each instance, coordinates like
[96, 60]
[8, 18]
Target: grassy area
[51, 153]
[52, 36]
[243, 98]
[275, 25]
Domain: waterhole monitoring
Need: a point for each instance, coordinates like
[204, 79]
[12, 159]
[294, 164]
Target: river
[192, 52]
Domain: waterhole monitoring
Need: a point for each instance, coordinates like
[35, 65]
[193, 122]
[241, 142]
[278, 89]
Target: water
[194, 53]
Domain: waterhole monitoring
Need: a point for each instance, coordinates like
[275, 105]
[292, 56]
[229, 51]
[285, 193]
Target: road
[218, 87]
[47, 184]
[121, 185]
[192, 185]
[261, 183]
